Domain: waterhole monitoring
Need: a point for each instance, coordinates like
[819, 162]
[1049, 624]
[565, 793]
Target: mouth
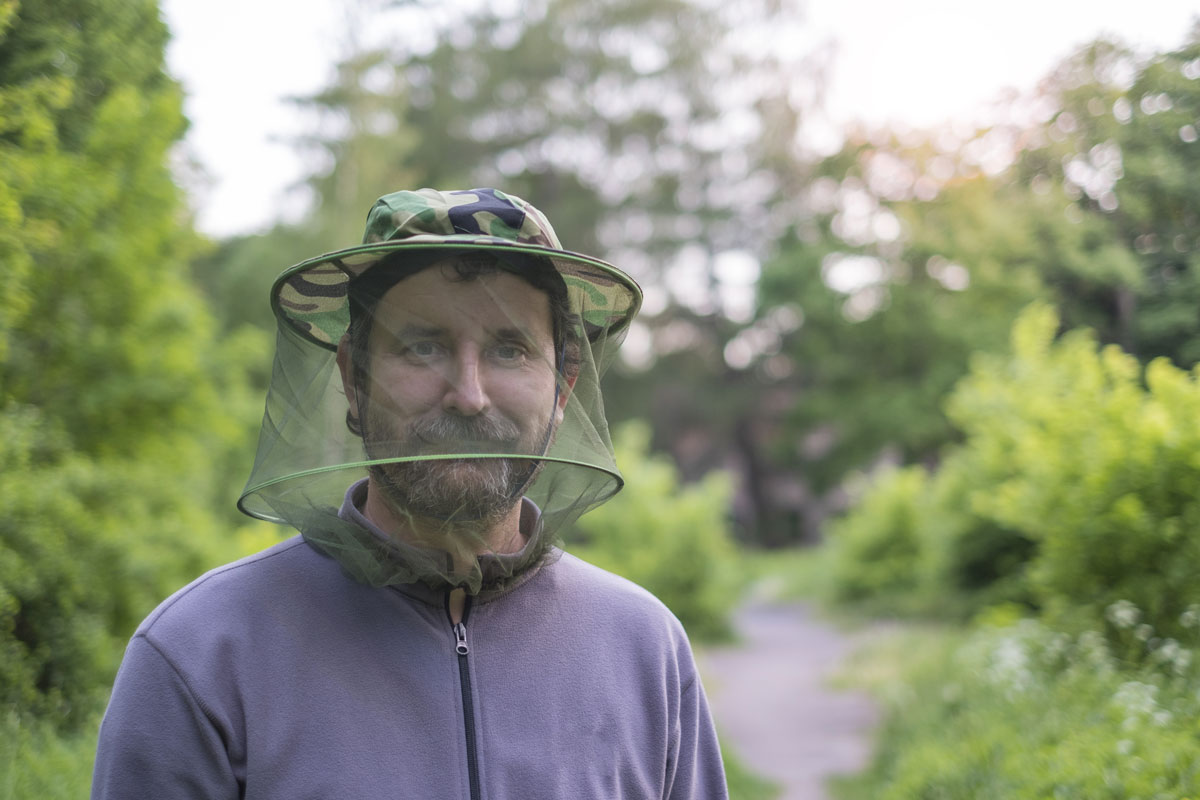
[467, 447]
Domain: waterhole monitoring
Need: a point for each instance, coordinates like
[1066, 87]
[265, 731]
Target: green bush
[1023, 712]
[87, 548]
[56, 607]
[121, 402]
[1103, 472]
[913, 546]
[876, 552]
[1077, 486]
[39, 762]
[674, 540]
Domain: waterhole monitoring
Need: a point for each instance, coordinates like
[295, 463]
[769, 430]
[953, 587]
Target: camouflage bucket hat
[311, 297]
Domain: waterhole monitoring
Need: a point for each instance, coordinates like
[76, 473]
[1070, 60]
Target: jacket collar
[497, 568]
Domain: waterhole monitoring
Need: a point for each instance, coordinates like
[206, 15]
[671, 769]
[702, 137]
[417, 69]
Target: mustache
[447, 429]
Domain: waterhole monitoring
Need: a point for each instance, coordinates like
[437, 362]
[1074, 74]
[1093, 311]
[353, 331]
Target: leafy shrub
[1077, 486]
[120, 402]
[1103, 472]
[674, 540]
[55, 611]
[1023, 712]
[913, 546]
[876, 552]
[87, 548]
[39, 762]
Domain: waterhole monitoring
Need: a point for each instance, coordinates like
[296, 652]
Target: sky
[915, 63]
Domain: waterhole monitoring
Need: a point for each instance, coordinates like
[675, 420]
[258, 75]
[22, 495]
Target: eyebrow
[513, 333]
[416, 331]
[412, 331]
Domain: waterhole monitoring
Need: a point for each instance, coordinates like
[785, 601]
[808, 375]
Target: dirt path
[772, 703]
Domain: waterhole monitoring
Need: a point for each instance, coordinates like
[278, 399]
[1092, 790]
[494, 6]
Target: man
[423, 637]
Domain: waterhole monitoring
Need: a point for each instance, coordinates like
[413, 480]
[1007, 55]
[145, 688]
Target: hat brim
[310, 298]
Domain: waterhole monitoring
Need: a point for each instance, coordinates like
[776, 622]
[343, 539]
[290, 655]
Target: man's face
[458, 366]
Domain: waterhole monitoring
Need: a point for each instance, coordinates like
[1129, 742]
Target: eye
[508, 353]
[423, 348]
[421, 351]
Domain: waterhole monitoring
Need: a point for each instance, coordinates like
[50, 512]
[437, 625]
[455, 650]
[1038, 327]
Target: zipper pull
[460, 636]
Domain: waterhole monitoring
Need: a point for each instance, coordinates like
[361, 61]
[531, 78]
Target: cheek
[404, 391]
[525, 397]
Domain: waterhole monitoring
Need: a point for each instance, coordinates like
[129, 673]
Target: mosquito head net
[434, 413]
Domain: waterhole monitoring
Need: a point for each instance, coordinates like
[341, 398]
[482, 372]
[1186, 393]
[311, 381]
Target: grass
[744, 784]
[788, 574]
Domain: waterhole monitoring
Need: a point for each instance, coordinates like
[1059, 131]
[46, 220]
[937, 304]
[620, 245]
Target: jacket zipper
[464, 682]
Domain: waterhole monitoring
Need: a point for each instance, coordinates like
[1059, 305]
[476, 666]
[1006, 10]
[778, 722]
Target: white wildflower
[1057, 647]
[1093, 650]
[1174, 655]
[1123, 614]
[1138, 701]
[1191, 617]
[1010, 665]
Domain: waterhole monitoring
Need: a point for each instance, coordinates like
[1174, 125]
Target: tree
[1121, 142]
[894, 283]
[118, 403]
[922, 249]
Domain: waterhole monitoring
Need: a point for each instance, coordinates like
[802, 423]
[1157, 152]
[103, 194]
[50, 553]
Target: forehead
[440, 297]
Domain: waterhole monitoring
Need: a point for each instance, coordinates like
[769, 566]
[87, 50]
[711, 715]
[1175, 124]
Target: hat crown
[310, 298]
[472, 212]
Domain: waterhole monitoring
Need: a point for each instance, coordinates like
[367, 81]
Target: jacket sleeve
[156, 740]
[698, 772]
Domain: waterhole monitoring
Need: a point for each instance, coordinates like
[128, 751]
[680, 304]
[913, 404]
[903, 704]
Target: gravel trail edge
[773, 705]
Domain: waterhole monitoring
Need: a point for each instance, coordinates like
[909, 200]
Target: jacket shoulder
[238, 589]
[619, 597]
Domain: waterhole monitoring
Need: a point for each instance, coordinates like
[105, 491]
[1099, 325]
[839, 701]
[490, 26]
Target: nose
[465, 394]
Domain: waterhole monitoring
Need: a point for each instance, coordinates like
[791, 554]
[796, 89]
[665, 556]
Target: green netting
[469, 380]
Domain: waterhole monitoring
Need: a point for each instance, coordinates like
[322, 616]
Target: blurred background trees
[824, 338]
[120, 401]
[1092, 214]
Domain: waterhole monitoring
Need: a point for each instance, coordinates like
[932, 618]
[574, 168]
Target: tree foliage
[920, 250]
[117, 402]
[640, 124]
[1074, 491]
[1121, 142]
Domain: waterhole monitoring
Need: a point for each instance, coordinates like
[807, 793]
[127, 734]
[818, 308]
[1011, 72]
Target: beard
[475, 490]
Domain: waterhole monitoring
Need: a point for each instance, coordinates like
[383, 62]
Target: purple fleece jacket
[279, 677]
